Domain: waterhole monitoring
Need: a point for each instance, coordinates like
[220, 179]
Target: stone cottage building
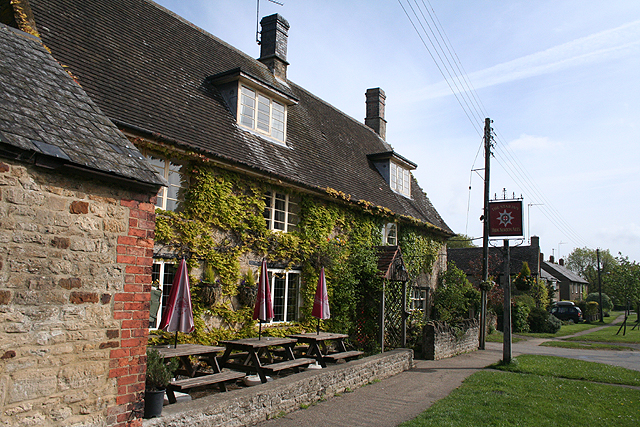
[76, 248]
[255, 167]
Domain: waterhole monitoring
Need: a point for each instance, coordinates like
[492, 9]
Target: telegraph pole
[506, 348]
[485, 234]
[599, 286]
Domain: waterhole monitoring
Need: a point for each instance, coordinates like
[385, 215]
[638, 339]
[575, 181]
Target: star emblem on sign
[505, 218]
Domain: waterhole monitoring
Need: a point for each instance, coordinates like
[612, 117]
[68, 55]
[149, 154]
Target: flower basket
[247, 295]
[208, 292]
[486, 285]
[523, 284]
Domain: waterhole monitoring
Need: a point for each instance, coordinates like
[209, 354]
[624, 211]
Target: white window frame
[390, 234]
[273, 215]
[168, 198]
[419, 296]
[290, 296]
[164, 283]
[261, 113]
[399, 179]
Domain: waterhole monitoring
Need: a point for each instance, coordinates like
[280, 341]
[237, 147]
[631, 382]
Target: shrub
[554, 324]
[540, 321]
[455, 296]
[520, 317]
[591, 311]
[607, 305]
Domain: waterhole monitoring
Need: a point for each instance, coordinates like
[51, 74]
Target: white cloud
[603, 46]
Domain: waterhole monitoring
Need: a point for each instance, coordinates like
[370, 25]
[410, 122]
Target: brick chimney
[273, 44]
[551, 259]
[561, 261]
[375, 111]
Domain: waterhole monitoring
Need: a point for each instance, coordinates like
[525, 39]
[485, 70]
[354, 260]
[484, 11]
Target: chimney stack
[375, 112]
[551, 259]
[273, 44]
[561, 262]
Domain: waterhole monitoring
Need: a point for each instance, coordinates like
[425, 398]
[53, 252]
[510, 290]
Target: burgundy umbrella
[321, 301]
[178, 316]
[263, 310]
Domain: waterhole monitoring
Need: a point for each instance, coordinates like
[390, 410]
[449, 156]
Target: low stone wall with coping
[283, 395]
[442, 340]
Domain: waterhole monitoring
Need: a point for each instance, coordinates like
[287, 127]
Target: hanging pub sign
[505, 218]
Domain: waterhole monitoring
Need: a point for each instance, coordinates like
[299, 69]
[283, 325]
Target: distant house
[76, 227]
[255, 167]
[469, 260]
[571, 287]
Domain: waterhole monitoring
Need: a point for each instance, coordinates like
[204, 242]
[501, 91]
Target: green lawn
[585, 345]
[537, 391]
[609, 335]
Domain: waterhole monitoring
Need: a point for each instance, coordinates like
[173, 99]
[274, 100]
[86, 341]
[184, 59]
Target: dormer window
[399, 179]
[259, 106]
[395, 169]
[261, 113]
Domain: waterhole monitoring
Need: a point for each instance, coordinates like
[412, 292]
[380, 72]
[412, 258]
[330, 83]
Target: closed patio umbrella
[263, 309]
[178, 316]
[321, 301]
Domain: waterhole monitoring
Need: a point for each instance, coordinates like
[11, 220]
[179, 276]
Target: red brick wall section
[131, 308]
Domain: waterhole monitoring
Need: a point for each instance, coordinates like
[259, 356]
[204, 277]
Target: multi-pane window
[262, 113]
[285, 291]
[399, 179]
[390, 234]
[418, 298]
[280, 211]
[162, 274]
[169, 198]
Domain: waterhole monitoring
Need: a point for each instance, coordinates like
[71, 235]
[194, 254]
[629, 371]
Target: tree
[461, 241]
[623, 284]
[584, 262]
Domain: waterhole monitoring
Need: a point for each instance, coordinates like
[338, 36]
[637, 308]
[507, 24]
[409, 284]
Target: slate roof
[469, 260]
[562, 273]
[47, 118]
[148, 70]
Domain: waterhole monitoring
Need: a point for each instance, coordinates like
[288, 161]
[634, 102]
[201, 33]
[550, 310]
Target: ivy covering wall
[221, 226]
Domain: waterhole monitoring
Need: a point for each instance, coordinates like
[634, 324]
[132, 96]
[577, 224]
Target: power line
[451, 69]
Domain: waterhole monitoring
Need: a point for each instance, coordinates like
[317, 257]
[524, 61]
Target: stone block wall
[442, 340]
[251, 405]
[75, 273]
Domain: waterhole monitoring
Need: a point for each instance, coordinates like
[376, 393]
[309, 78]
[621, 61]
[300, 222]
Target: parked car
[566, 310]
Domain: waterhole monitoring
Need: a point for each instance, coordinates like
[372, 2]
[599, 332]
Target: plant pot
[153, 401]
[247, 295]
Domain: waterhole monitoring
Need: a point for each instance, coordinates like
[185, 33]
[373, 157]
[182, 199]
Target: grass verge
[530, 393]
[585, 345]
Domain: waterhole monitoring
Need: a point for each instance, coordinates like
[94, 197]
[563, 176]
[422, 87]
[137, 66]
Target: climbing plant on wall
[222, 219]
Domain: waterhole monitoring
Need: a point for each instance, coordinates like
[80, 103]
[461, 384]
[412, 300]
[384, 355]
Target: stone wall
[75, 263]
[258, 403]
[441, 340]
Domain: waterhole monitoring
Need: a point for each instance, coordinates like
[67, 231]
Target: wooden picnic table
[319, 349]
[196, 377]
[252, 350]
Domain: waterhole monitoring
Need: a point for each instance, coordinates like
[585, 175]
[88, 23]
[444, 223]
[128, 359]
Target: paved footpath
[402, 397]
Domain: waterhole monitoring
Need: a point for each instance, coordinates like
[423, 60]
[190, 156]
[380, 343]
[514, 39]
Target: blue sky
[558, 78]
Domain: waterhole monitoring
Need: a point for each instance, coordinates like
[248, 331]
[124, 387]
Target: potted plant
[247, 290]
[209, 286]
[158, 376]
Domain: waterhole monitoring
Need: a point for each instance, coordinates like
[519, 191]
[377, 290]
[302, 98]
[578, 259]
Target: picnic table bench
[319, 349]
[196, 377]
[254, 349]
